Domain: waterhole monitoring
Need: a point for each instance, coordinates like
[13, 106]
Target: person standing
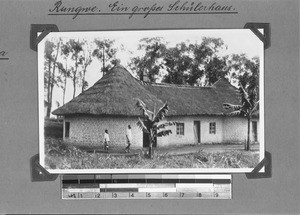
[129, 139]
[106, 140]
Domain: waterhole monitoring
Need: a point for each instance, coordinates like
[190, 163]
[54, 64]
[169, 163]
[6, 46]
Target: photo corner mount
[265, 37]
[267, 163]
[45, 29]
[38, 173]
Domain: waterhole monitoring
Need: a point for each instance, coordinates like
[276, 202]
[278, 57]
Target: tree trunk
[64, 89]
[248, 135]
[65, 84]
[150, 151]
[103, 62]
[74, 76]
[83, 78]
[48, 89]
[74, 85]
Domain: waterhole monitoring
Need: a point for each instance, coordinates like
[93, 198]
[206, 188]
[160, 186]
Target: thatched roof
[116, 93]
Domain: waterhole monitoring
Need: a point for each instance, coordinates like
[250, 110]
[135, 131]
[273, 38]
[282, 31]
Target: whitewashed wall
[235, 129]
[189, 136]
[90, 130]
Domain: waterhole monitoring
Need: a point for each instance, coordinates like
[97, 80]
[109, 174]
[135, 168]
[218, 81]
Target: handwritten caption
[3, 55]
[119, 8]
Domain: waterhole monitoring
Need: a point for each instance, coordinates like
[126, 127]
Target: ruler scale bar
[148, 186]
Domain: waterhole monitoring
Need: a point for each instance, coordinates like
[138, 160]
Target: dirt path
[180, 149]
[205, 148]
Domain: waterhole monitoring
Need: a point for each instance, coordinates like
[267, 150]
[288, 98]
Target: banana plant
[150, 123]
[247, 108]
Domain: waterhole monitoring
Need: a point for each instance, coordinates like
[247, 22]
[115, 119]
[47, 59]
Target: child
[106, 140]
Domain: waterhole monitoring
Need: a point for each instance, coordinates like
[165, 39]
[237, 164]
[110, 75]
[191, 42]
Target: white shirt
[128, 134]
[106, 137]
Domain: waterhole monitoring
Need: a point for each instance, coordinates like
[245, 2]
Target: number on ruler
[131, 194]
[148, 194]
[216, 194]
[165, 194]
[72, 195]
[114, 195]
[199, 195]
[97, 195]
[79, 195]
[181, 194]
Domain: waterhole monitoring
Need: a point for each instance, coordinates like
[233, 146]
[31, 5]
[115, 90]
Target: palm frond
[255, 108]
[244, 97]
[236, 113]
[161, 126]
[142, 126]
[161, 113]
[164, 133]
[142, 106]
[228, 106]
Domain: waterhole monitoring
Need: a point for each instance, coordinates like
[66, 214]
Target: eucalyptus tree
[151, 61]
[50, 54]
[105, 52]
[76, 48]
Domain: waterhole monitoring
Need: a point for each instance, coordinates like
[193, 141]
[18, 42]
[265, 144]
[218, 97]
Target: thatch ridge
[117, 91]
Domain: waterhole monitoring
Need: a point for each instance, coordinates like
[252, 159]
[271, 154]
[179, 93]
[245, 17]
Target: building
[111, 104]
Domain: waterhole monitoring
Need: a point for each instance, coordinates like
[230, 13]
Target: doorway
[197, 132]
[146, 140]
[67, 129]
[254, 130]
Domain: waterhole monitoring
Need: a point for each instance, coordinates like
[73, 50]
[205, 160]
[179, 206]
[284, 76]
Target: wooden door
[197, 132]
[146, 140]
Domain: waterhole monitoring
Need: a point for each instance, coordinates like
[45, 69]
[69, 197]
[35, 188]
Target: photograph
[151, 101]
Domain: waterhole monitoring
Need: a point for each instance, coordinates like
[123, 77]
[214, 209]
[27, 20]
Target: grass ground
[53, 128]
[61, 156]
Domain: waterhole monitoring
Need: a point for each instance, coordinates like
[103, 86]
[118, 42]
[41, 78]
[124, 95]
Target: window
[212, 127]
[67, 129]
[180, 129]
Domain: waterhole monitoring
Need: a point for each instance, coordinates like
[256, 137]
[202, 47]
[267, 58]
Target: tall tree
[243, 70]
[51, 54]
[215, 69]
[207, 64]
[105, 52]
[152, 61]
[64, 68]
[86, 60]
[75, 50]
[179, 64]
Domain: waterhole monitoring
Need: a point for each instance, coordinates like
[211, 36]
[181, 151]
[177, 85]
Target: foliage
[249, 105]
[151, 63]
[53, 129]
[150, 121]
[105, 52]
[184, 63]
[242, 70]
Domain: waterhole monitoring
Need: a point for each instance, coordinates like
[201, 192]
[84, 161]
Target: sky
[238, 41]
